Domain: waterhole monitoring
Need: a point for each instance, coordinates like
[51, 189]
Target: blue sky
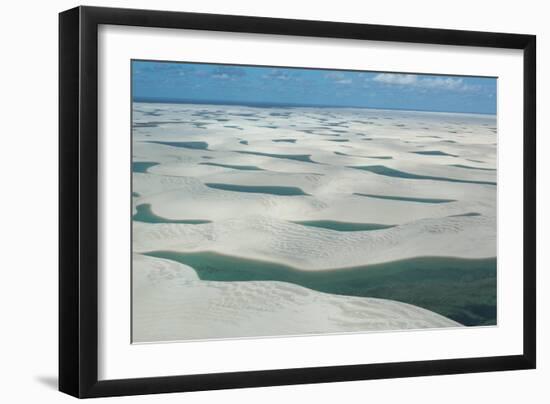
[253, 84]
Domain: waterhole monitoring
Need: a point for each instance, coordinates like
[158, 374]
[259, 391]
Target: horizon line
[268, 104]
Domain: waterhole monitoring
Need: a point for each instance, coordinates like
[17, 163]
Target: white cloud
[338, 78]
[228, 73]
[396, 79]
[413, 80]
[443, 83]
[278, 74]
[221, 76]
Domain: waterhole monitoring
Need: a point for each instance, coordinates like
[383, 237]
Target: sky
[247, 85]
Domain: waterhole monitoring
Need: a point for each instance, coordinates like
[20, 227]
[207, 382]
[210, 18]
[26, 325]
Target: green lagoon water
[407, 199]
[344, 226]
[367, 157]
[297, 157]
[142, 166]
[144, 214]
[234, 167]
[472, 168]
[185, 145]
[258, 189]
[284, 140]
[434, 153]
[391, 172]
[460, 289]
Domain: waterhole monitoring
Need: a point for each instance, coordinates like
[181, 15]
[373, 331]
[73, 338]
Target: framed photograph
[251, 201]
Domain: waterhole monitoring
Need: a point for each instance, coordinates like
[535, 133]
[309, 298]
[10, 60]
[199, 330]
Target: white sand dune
[311, 248]
[170, 304]
[329, 198]
[411, 170]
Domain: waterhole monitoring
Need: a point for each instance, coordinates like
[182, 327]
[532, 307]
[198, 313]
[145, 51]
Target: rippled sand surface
[312, 189]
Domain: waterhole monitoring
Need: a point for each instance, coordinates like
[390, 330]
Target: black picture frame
[78, 201]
